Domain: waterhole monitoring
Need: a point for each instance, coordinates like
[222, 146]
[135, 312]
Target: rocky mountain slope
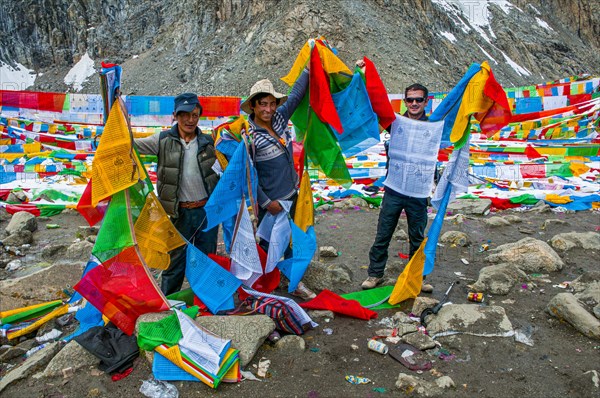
[221, 47]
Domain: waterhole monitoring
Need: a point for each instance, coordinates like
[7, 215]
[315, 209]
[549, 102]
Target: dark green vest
[170, 160]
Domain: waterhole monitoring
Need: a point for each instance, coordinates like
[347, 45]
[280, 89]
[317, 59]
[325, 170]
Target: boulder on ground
[21, 221]
[412, 385]
[74, 356]
[477, 207]
[18, 238]
[496, 222]
[473, 319]
[565, 307]
[456, 238]
[34, 363]
[80, 251]
[291, 343]
[585, 240]
[528, 254]
[400, 235]
[328, 251]
[499, 279]
[321, 276]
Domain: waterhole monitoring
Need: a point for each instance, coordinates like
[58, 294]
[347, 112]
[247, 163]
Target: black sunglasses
[411, 100]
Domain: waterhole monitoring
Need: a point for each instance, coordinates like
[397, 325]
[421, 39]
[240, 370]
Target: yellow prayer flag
[304, 216]
[331, 63]
[410, 280]
[115, 166]
[155, 234]
[473, 101]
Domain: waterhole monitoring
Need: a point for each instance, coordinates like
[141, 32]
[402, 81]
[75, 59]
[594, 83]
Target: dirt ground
[479, 366]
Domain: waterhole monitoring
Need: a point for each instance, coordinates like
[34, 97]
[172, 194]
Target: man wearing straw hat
[269, 113]
[185, 181]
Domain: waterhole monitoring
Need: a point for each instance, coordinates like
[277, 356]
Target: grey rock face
[204, 46]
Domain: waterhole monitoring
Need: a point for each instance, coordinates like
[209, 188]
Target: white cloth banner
[245, 263]
[276, 230]
[414, 146]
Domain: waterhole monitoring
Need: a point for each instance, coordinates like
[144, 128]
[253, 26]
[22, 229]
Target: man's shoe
[426, 288]
[371, 282]
[303, 292]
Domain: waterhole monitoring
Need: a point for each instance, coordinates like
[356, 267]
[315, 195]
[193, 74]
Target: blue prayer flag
[213, 284]
[303, 246]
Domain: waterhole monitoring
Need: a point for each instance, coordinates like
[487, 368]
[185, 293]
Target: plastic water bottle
[34, 350]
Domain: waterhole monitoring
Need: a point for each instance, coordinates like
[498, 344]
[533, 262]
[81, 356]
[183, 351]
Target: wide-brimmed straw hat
[262, 86]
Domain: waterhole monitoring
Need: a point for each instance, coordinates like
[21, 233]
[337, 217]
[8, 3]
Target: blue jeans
[391, 208]
[190, 224]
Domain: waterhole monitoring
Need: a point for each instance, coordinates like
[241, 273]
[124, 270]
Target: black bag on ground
[112, 346]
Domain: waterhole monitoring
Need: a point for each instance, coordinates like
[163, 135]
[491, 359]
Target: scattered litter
[153, 388]
[34, 350]
[357, 379]
[483, 248]
[65, 320]
[52, 226]
[464, 261]
[458, 273]
[387, 322]
[402, 255]
[563, 285]
[523, 335]
[263, 367]
[377, 346]
[442, 354]
[328, 331]
[51, 335]
[476, 297]
[314, 349]
[394, 339]
[274, 336]
[379, 389]
[122, 375]
[247, 375]
[435, 373]
[467, 359]
[354, 347]
[411, 357]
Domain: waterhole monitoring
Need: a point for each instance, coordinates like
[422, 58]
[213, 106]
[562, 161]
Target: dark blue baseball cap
[186, 102]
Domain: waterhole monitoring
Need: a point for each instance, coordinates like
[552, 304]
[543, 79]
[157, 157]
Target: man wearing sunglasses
[415, 98]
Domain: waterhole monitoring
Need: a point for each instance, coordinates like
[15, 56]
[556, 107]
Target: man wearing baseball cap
[269, 113]
[185, 181]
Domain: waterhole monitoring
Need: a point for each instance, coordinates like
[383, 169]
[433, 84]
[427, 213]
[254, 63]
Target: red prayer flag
[328, 300]
[220, 106]
[499, 114]
[122, 289]
[320, 95]
[378, 95]
[92, 214]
